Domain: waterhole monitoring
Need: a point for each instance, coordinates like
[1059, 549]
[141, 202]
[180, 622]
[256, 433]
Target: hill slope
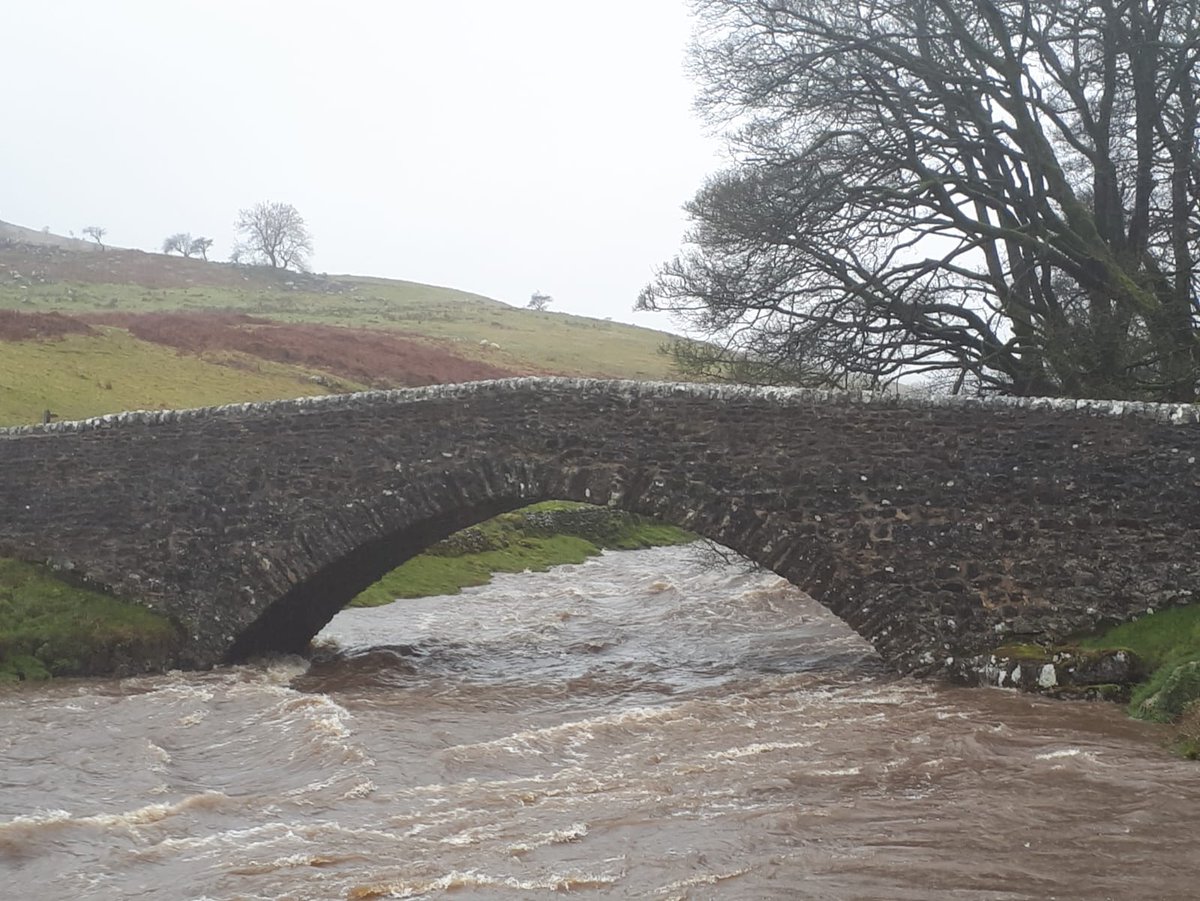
[22, 235]
[94, 331]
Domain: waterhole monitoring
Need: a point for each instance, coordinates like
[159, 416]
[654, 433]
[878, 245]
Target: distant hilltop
[22, 235]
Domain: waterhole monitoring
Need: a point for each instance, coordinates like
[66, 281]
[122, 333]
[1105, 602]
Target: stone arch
[358, 550]
[937, 528]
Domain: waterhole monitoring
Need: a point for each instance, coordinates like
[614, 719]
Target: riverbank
[535, 538]
[1151, 664]
[52, 627]
[1168, 645]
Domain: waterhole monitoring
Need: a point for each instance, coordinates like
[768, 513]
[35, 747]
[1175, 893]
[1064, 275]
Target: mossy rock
[1025, 653]
[1065, 671]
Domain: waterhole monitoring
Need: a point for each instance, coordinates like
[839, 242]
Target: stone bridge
[937, 528]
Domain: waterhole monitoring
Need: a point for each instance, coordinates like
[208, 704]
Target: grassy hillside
[78, 376]
[233, 333]
[534, 342]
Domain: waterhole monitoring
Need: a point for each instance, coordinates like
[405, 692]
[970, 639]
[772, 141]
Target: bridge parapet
[1179, 414]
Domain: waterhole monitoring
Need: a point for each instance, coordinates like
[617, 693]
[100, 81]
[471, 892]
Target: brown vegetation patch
[367, 356]
[16, 326]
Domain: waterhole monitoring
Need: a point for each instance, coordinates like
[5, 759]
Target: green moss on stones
[49, 627]
[533, 538]
[1025, 653]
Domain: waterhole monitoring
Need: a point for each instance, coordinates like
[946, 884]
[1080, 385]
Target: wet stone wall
[938, 529]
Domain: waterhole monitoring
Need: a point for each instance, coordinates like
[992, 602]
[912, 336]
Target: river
[639, 726]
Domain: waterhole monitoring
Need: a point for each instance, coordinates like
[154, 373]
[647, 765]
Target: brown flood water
[635, 727]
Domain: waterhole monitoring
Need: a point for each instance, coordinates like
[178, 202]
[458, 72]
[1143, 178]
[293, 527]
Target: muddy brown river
[635, 727]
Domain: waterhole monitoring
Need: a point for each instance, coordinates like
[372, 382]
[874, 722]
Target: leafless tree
[200, 247]
[273, 234]
[185, 245]
[1003, 192]
[708, 555]
[539, 301]
[180, 242]
[96, 233]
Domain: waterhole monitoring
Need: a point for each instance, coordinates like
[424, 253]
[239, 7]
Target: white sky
[498, 146]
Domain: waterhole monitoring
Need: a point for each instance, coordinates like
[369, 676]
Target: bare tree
[200, 246]
[539, 301]
[184, 244]
[1003, 192]
[180, 242]
[273, 234]
[96, 232]
[708, 555]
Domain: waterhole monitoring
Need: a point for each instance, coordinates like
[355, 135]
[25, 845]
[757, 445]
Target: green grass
[428, 575]
[1157, 638]
[49, 627]
[1169, 643]
[512, 543]
[652, 534]
[88, 375]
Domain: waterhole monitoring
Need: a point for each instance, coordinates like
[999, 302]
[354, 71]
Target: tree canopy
[998, 193]
[185, 245]
[272, 234]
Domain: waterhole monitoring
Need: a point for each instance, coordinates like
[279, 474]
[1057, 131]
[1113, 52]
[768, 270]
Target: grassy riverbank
[534, 538]
[50, 627]
[1168, 644]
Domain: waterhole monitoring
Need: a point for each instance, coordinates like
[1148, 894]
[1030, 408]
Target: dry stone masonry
[938, 528]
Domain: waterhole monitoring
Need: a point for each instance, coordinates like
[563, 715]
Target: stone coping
[1177, 414]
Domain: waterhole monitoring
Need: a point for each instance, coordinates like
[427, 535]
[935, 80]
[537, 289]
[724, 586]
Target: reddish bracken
[17, 326]
[368, 356]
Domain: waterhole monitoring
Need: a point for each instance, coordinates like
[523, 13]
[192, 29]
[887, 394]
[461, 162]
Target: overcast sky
[498, 147]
